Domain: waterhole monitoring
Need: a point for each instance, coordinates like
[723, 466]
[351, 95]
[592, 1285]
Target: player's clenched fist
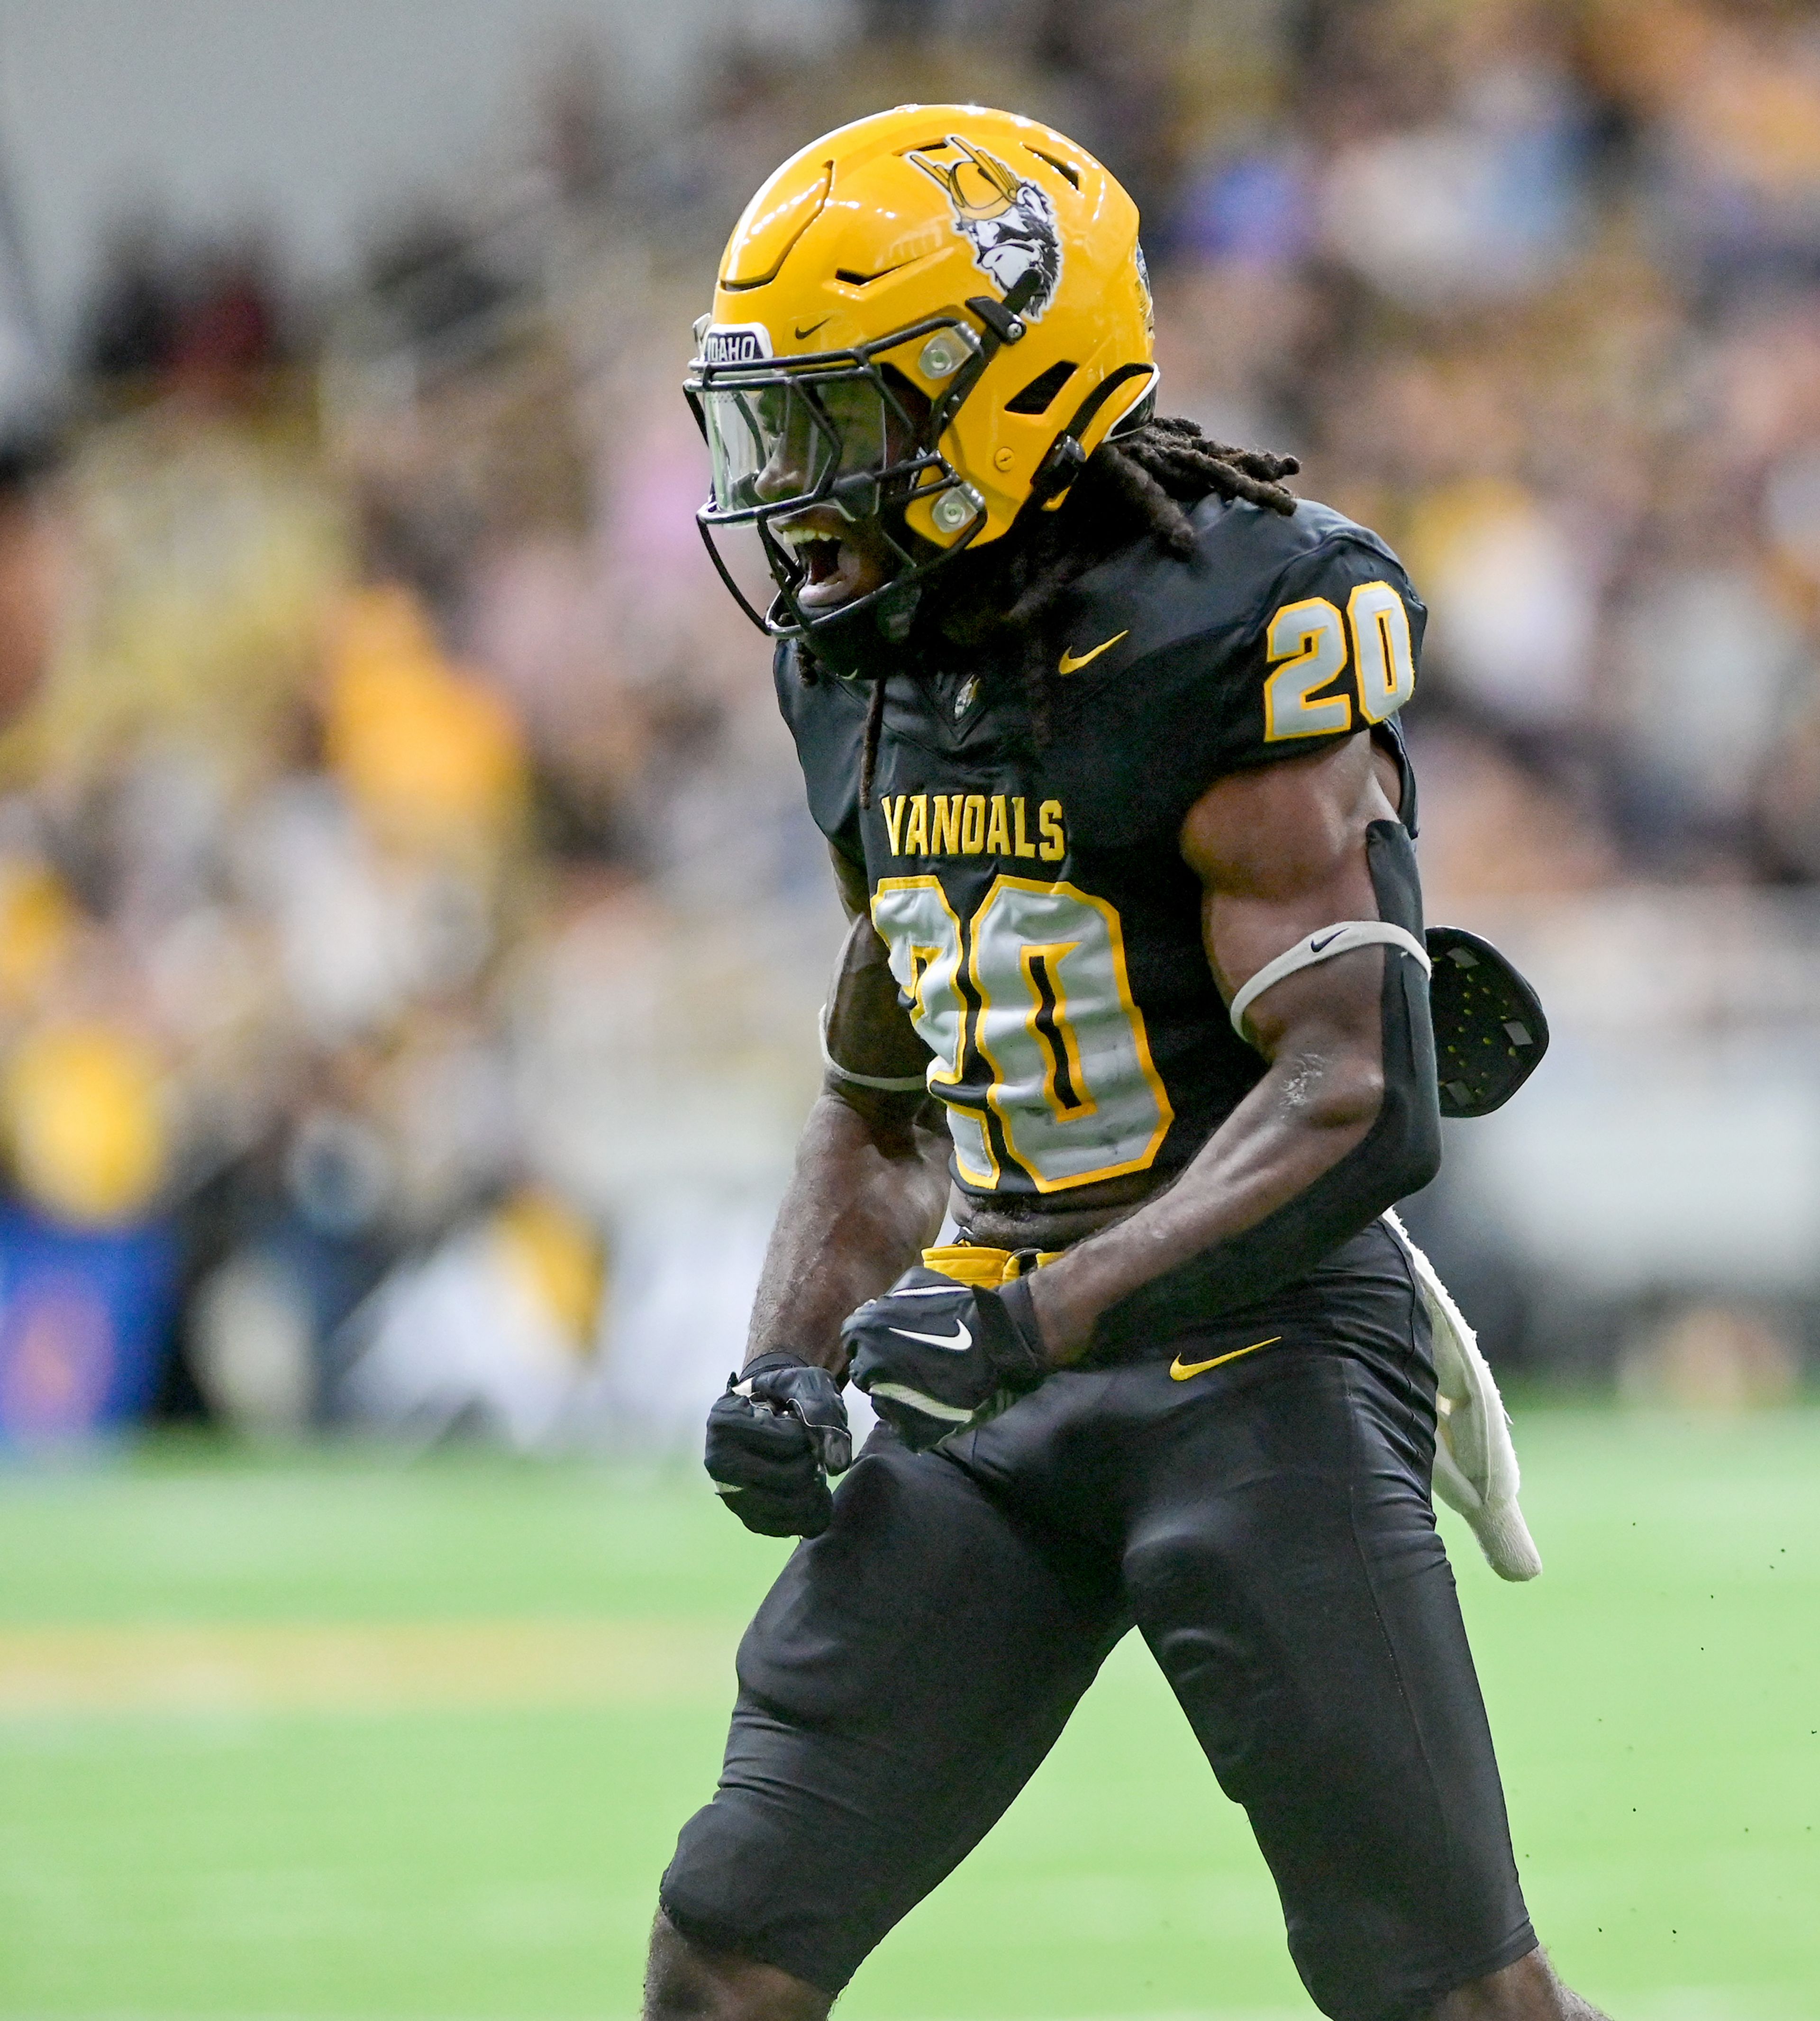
[774, 1440]
[934, 1355]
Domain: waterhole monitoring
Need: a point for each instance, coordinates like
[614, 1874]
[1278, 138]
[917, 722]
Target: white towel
[1476, 1469]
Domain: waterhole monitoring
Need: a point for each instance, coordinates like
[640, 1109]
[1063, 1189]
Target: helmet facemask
[821, 455]
[915, 247]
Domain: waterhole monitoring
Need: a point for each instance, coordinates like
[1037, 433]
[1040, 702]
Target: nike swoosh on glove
[773, 1438]
[935, 1355]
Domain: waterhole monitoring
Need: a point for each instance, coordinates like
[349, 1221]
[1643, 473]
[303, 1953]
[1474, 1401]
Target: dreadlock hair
[1133, 484]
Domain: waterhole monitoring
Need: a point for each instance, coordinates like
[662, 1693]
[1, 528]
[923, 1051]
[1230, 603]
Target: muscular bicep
[1281, 853]
[1343, 1121]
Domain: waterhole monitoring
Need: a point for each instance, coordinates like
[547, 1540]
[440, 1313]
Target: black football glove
[936, 1356]
[773, 1440]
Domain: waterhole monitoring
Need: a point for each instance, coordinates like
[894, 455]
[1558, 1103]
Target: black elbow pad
[1398, 1155]
[1407, 1132]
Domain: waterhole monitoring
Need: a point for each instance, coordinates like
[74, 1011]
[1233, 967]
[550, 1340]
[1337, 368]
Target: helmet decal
[1009, 223]
[733, 343]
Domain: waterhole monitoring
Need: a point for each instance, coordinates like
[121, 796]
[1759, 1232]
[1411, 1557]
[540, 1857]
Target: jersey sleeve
[827, 719]
[1333, 649]
[1284, 656]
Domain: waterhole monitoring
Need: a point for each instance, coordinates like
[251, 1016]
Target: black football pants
[1266, 1524]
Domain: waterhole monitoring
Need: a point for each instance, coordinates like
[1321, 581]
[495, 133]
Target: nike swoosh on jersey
[1071, 665]
[1180, 1370]
[957, 1342]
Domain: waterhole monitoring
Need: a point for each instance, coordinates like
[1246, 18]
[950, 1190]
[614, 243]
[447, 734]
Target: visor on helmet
[843, 429]
[790, 441]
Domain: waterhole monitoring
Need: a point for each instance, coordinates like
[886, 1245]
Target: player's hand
[936, 1356]
[774, 1440]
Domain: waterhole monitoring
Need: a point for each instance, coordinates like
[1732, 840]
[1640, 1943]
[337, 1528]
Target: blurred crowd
[410, 936]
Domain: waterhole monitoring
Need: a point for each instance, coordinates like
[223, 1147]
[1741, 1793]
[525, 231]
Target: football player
[1099, 722]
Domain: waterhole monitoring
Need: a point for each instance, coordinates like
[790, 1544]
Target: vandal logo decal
[1009, 223]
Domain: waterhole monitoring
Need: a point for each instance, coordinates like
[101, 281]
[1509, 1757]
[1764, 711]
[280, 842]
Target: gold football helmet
[923, 322]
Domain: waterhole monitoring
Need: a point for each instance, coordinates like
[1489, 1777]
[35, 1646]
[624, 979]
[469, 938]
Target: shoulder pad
[1282, 633]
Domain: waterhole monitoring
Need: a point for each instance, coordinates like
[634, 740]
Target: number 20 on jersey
[1307, 645]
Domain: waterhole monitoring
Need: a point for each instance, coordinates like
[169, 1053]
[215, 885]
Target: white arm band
[891, 1083]
[1345, 938]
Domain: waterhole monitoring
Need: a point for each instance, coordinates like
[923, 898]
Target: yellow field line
[359, 1666]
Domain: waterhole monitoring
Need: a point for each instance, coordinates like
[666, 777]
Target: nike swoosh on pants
[1180, 1370]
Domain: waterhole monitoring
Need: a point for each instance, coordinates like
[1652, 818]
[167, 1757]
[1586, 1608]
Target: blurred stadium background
[411, 937]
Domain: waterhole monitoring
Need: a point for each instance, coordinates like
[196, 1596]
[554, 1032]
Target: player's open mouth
[822, 559]
[837, 569]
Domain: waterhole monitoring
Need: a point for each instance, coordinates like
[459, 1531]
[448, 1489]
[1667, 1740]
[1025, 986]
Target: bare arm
[1280, 853]
[871, 1178]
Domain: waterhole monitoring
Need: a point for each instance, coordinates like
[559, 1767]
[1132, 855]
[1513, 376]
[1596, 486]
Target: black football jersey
[1043, 929]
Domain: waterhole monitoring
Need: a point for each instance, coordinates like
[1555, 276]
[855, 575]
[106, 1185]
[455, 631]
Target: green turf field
[318, 1737]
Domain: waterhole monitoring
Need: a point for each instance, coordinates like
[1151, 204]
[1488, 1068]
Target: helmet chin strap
[860, 644]
[1001, 322]
[1066, 458]
[897, 612]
